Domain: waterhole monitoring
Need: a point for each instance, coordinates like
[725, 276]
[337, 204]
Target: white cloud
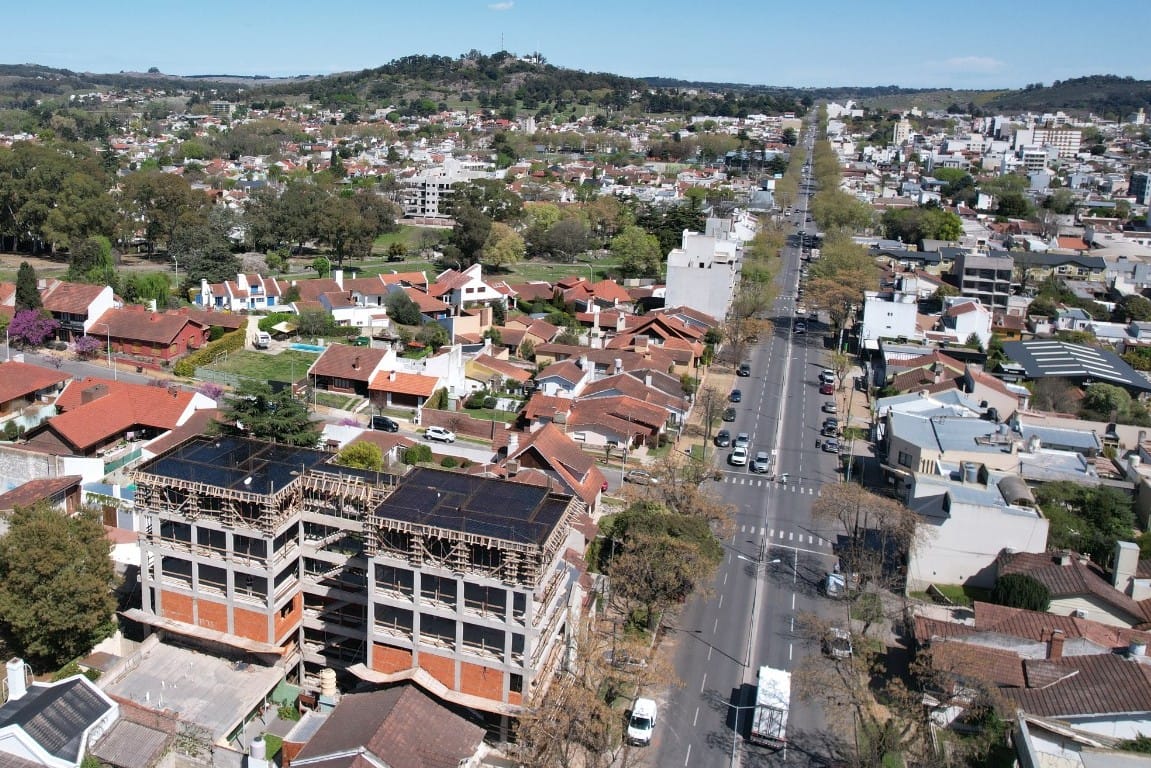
[972, 64]
[504, 5]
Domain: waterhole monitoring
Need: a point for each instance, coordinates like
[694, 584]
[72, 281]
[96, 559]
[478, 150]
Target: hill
[1106, 95]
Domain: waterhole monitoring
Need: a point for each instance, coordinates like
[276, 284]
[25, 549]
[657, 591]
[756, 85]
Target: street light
[108, 328]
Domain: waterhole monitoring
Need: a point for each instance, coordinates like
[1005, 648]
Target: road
[774, 561]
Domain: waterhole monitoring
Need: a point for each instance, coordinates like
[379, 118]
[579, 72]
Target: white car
[440, 434]
[641, 724]
[738, 457]
[827, 376]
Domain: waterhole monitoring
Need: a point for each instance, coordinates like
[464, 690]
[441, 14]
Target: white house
[889, 315]
[703, 272]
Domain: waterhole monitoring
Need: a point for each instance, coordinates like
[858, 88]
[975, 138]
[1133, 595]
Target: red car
[827, 389]
[603, 488]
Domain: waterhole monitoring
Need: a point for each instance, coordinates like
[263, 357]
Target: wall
[18, 466]
[462, 424]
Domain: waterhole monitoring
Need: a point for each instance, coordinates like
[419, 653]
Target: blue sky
[972, 44]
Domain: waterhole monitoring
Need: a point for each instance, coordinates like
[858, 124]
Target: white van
[642, 722]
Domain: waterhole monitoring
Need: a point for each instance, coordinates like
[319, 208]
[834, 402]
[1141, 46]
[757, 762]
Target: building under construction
[455, 582]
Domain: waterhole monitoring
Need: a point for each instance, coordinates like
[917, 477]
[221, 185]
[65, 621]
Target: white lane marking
[715, 626]
[688, 755]
[703, 683]
[695, 719]
[793, 608]
[721, 594]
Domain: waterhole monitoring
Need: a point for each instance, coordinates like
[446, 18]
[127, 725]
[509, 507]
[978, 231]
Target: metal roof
[1049, 358]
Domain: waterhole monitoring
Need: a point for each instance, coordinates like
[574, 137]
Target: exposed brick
[479, 680]
[176, 606]
[290, 622]
[212, 615]
[441, 668]
[250, 624]
[387, 659]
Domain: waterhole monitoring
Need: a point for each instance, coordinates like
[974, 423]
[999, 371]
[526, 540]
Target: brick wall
[176, 606]
[460, 423]
[441, 668]
[251, 624]
[387, 659]
[211, 615]
[290, 622]
[479, 680]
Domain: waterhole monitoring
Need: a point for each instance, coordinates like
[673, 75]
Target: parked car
[736, 396]
[830, 407]
[827, 431]
[827, 376]
[641, 724]
[738, 457]
[729, 414]
[827, 389]
[837, 643]
[722, 438]
[800, 326]
[830, 446]
[831, 422]
[744, 369]
[440, 434]
[760, 463]
[384, 424]
[639, 477]
[742, 440]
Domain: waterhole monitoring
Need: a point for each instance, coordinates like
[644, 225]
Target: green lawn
[490, 414]
[335, 400]
[289, 365]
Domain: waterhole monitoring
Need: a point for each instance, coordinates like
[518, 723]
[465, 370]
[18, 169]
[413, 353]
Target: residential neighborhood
[460, 417]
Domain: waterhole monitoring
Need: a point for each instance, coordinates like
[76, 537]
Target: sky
[801, 43]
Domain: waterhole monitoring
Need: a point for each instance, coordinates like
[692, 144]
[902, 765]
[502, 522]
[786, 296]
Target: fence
[463, 424]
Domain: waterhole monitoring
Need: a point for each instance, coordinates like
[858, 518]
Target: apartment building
[986, 278]
[703, 272]
[427, 195]
[455, 582]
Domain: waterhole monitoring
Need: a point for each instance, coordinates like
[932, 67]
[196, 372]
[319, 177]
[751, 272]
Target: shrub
[1018, 590]
[490, 402]
[449, 462]
[188, 364]
[11, 431]
[417, 454]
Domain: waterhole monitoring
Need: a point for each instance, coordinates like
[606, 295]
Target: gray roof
[1048, 259]
[56, 716]
[946, 433]
[1043, 358]
[1079, 440]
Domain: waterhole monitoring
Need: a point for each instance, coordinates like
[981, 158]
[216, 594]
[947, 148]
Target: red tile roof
[1074, 578]
[546, 406]
[551, 448]
[503, 368]
[115, 407]
[565, 370]
[24, 379]
[399, 383]
[348, 362]
[429, 305]
[70, 298]
[35, 490]
[149, 327]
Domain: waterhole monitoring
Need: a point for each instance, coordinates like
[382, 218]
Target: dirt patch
[48, 266]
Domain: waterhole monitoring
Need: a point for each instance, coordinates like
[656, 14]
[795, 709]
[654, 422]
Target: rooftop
[1049, 358]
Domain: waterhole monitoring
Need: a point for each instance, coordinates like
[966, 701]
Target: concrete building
[986, 278]
[703, 272]
[458, 583]
[889, 315]
[426, 196]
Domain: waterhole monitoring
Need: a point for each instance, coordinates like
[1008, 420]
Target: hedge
[188, 364]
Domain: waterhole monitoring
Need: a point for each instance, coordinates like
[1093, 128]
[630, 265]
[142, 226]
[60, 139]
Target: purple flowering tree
[211, 389]
[88, 347]
[31, 328]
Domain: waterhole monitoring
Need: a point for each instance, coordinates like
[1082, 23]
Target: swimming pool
[307, 347]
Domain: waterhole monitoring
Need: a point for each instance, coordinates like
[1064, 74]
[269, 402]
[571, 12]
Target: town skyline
[903, 44]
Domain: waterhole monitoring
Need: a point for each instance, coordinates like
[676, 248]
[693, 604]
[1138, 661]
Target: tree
[255, 410]
[503, 246]
[1106, 399]
[1013, 205]
[402, 309]
[638, 252]
[56, 581]
[434, 335]
[27, 291]
[322, 266]
[203, 246]
[1133, 307]
[90, 261]
[1086, 519]
[32, 327]
[361, 455]
[1018, 590]
[566, 239]
[88, 346]
[470, 233]
[350, 223]
[163, 202]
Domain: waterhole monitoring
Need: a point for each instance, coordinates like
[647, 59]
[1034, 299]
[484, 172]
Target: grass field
[289, 365]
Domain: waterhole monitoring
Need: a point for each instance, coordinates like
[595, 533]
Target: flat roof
[501, 509]
[213, 693]
[243, 464]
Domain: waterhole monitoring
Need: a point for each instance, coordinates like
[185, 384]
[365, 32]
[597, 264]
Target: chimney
[1126, 563]
[583, 362]
[1064, 557]
[619, 365]
[1055, 645]
[647, 379]
[94, 392]
[512, 467]
[356, 363]
[17, 681]
[391, 375]
[338, 276]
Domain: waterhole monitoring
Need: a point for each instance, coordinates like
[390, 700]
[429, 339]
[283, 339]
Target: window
[905, 459]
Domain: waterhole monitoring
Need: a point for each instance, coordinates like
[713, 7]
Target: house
[1037, 267]
[888, 315]
[61, 493]
[22, 386]
[51, 724]
[655, 387]
[344, 368]
[955, 511]
[1079, 587]
[429, 306]
[964, 318]
[552, 453]
[157, 337]
[484, 369]
[245, 293]
[463, 290]
[96, 414]
[400, 389]
[988, 279]
[387, 727]
[564, 378]
[77, 307]
[615, 421]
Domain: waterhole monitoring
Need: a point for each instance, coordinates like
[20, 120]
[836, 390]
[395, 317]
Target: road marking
[793, 608]
[721, 594]
[688, 756]
[789, 650]
[725, 578]
[715, 626]
[703, 683]
[695, 719]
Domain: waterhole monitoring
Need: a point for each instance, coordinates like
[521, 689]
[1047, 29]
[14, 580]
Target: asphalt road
[775, 559]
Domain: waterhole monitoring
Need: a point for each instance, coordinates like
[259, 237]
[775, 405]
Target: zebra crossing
[759, 482]
[788, 538]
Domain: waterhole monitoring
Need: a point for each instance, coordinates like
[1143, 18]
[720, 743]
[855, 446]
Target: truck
[772, 702]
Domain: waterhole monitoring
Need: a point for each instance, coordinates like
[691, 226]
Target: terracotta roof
[115, 407]
[368, 286]
[348, 362]
[533, 291]
[543, 329]
[312, 289]
[622, 407]
[231, 320]
[551, 448]
[399, 383]
[546, 406]
[694, 314]
[136, 325]
[429, 305]
[1084, 685]
[447, 281]
[1037, 626]
[35, 490]
[634, 387]
[1075, 578]
[70, 298]
[393, 727]
[408, 278]
[24, 379]
[503, 368]
[610, 290]
[997, 666]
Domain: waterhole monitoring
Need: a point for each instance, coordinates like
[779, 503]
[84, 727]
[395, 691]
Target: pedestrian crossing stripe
[785, 536]
[760, 483]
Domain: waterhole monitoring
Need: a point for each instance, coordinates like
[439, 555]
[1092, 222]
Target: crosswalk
[759, 482]
[788, 538]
